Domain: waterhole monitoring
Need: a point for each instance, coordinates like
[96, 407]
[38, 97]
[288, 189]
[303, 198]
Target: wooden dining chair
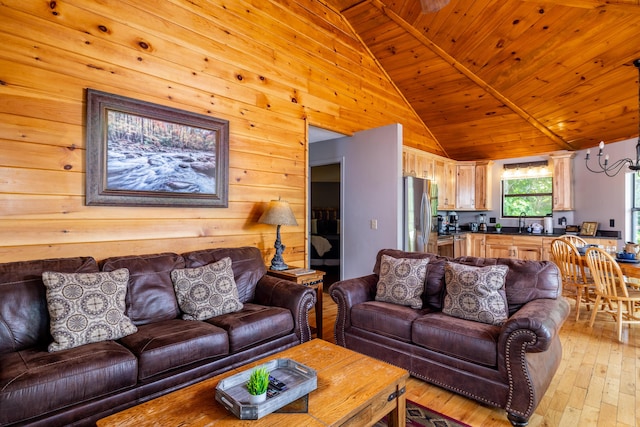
[613, 295]
[567, 258]
[577, 241]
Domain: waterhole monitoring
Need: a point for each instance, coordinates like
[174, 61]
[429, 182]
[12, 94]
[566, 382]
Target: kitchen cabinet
[417, 163]
[465, 186]
[516, 247]
[460, 245]
[483, 185]
[473, 185]
[475, 243]
[445, 177]
[562, 164]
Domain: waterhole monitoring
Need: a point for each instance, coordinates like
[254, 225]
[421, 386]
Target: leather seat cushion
[170, 344]
[464, 339]
[253, 324]
[34, 381]
[384, 318]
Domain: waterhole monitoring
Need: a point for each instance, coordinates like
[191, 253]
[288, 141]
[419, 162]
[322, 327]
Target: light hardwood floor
[596, 383]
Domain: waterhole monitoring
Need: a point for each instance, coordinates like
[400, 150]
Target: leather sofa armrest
[542, 317]
[346, 294]
[529, 353]
[299, 299]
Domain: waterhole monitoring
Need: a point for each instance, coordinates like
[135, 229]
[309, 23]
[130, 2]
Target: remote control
[278, 385]
[272, 392]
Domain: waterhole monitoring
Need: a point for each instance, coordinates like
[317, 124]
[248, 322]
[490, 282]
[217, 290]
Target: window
[530, 192]
[635, 209]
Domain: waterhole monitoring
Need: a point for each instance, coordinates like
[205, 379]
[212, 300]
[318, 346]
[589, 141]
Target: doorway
[325, 220]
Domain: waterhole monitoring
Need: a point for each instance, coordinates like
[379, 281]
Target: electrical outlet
[374, 224]
[612, 222]
[492, 220]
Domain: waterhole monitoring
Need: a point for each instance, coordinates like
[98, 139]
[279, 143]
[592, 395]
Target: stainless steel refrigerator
[420, 222]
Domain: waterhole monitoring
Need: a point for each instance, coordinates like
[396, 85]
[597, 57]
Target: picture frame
[144, 154]
[588, 228]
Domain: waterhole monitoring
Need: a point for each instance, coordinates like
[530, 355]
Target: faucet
[521, 221]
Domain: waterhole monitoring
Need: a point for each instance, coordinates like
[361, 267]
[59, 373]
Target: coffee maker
[482, 226]
[453, 221]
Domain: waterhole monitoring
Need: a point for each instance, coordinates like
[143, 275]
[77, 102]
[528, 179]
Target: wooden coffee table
[353, 390]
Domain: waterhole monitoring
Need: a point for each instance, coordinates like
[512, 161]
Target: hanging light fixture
[614, 168]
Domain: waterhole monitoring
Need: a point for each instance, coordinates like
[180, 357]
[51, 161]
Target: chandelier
[614, 168]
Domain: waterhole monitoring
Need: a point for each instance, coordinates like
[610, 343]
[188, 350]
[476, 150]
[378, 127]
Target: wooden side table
[308, 277]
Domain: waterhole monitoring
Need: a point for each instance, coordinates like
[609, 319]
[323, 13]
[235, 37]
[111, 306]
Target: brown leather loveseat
[508, 365]
[80, 385]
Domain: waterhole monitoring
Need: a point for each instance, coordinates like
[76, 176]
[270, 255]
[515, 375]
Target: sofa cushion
[86, 307]
[246, 262]
[171, 344]
[433, 293]
[476, 293]
[464, 339]
[254, 324]
[401, 281]
[24, 319]
[34, 381]
[383, 318]
[150, 297]
[207, 291]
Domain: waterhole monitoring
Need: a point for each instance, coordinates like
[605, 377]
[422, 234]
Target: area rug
[419, 416]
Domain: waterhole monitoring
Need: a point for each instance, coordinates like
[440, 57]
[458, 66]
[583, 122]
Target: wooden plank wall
[266, 66]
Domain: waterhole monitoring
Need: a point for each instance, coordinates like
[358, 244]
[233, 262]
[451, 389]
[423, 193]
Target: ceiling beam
[632, 6]
[469, 74]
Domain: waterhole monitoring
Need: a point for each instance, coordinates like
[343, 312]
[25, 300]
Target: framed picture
[143, 154]
[588, 228]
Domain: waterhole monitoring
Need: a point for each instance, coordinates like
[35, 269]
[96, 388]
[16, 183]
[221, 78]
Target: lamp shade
[278, 213]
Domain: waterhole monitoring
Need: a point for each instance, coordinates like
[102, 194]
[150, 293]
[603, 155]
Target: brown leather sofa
[83, 384]
[508, 366]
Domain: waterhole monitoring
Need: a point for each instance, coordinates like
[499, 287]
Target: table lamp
[278, 213]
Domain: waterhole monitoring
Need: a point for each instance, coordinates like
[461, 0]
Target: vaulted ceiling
[496, 79]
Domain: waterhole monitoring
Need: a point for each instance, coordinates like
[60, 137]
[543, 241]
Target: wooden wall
[266, 66]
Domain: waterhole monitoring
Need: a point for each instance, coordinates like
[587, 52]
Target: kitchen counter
[513, 231]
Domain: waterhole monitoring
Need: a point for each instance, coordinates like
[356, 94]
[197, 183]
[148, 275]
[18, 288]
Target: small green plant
[498, 226]
[258, 381]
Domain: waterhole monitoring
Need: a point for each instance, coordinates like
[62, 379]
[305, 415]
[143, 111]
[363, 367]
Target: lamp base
[278, 267]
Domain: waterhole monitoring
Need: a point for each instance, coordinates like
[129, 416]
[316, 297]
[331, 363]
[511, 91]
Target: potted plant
[257, 385]
[498, 227]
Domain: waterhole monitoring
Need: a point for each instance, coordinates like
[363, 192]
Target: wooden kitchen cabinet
[473, 185]
[475, 243]
[483, 185]
[445, 177]
[460, 245]
[417, 163]
[465, 186]
[562, 180]
[516, 247]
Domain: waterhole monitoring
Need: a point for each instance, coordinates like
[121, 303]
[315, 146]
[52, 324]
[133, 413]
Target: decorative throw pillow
[86, 307]
[402, 281]
[207, 291]
[476, 293]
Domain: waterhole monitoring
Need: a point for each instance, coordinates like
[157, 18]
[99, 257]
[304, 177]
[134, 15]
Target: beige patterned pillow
[402, 281]
[476, 293]
[207, 291]
[86, 307]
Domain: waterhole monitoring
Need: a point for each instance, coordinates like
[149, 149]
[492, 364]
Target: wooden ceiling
[495, 79]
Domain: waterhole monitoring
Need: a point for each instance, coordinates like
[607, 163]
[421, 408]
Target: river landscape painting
[146, 154]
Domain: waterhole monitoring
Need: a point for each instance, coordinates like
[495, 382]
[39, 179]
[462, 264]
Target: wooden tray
[233, 395]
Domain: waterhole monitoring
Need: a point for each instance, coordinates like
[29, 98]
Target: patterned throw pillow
[402, 281]
[86, 307]
[207, 291]
[476, 293]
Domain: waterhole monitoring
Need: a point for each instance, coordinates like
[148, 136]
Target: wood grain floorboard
[595, 385]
